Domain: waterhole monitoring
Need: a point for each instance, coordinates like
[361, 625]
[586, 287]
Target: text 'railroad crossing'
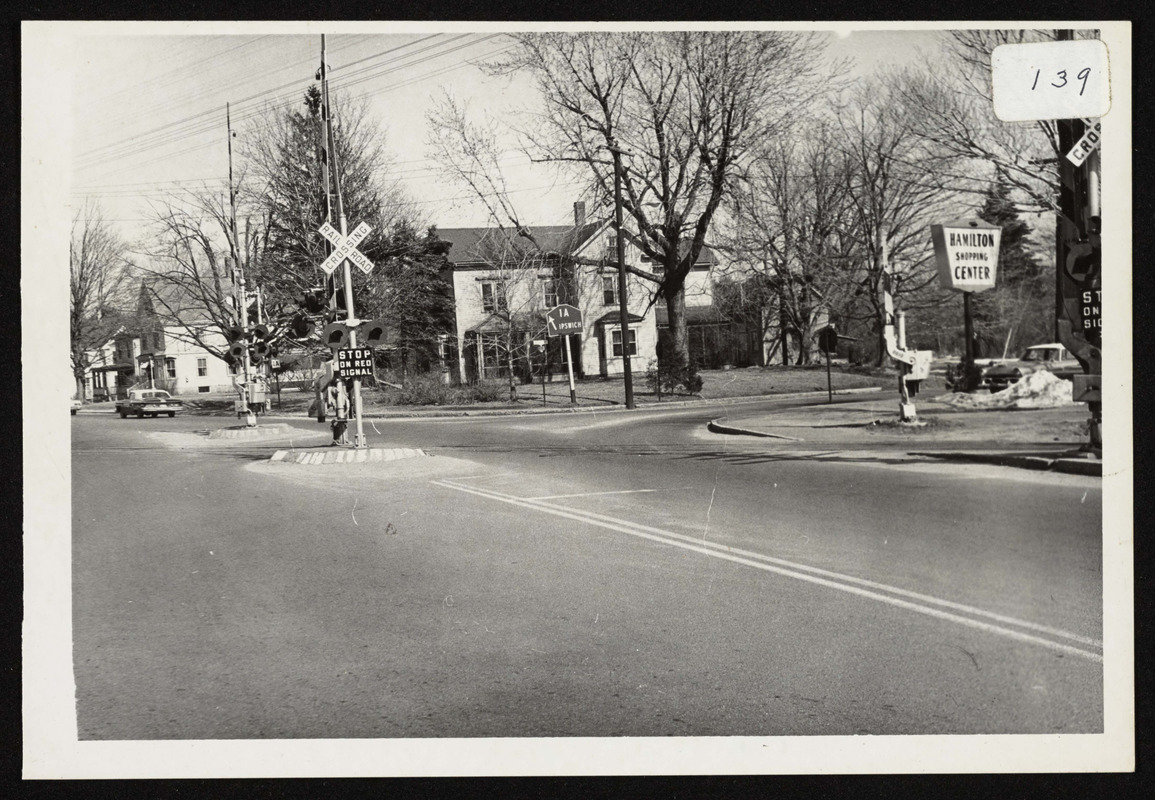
[346, 247]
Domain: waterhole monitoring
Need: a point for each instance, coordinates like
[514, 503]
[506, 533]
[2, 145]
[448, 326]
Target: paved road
[573, 575]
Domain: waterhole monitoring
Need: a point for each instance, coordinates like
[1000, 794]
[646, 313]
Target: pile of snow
[1037, 390]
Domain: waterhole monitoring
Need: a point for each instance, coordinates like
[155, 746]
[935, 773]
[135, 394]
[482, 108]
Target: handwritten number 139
[1084, 73]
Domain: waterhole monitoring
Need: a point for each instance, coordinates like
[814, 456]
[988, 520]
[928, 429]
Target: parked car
[1051, 357]
[148, 402]
[956, 373]
[75, 405]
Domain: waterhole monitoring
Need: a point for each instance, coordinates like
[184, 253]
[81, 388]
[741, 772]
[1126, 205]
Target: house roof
[496, 323]
[487, 245]
[171, 303]
[98, 331]
[614, 318]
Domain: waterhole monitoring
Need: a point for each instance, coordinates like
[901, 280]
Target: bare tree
[953, 107]
[98, 281]
[189, 278]
[513, 293]
[898, 184]
[788, 227]
[677, 113]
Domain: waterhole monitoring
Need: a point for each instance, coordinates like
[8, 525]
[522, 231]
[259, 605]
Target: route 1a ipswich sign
[563, 320]
[967, 252]
[355, 362]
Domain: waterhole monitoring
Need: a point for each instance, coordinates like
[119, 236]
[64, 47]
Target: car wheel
[171, 414]
[124, 415]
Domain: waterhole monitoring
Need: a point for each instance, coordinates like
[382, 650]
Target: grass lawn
[591, 393]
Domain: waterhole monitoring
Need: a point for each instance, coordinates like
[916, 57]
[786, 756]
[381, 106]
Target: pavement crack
[971, 656]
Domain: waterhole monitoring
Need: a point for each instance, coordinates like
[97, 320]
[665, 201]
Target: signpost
[355, 362]
[345, 251]
[967, 252]
[562, 320]
[828, 343]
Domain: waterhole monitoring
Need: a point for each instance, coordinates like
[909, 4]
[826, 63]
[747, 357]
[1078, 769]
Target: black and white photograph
[576, 399]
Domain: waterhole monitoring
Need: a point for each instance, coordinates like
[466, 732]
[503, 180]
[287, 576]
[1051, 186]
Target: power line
[209, 125]
[204, 120]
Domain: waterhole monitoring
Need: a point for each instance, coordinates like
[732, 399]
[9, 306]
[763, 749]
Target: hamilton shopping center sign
[967, 252]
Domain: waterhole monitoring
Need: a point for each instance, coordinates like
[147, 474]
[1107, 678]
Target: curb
[1070, 466]
[616, 408]
[714, 426]
[339, 456]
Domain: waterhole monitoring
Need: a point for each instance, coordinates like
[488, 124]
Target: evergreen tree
[286, 158]
[1016, 311]
[413, 298]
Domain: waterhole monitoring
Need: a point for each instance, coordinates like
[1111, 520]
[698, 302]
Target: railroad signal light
[259, 352]
[237, 350]
[314, 301]
[1084, 260]
[374, 333]
[234, 333]
[336, 334]
[301, 326]
[260, 333]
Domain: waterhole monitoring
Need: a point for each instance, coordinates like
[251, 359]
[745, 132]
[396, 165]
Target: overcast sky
[149, 105]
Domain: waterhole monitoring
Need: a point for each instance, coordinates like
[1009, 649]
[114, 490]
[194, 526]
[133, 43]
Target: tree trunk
[880, 330]
[509, 369]
[676, 309]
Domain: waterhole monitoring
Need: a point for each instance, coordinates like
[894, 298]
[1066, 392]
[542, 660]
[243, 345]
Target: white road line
[833, 580]
[592, 494]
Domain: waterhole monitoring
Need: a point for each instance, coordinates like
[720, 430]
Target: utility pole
[346, 269]
[242, 310]
[623, 305]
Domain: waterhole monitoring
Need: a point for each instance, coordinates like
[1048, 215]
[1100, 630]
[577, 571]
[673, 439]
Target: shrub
[425, 390]
[672, 370]
[487, 391]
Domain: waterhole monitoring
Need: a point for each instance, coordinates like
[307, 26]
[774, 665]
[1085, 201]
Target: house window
[616, 340]
[493, 297]
[550, 295]
[202, 367]
[170, 367]
[609, 290]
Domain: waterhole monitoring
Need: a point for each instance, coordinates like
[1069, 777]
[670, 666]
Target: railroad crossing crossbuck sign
[346, 247]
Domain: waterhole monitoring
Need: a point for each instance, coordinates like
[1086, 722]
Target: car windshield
[1040, 354]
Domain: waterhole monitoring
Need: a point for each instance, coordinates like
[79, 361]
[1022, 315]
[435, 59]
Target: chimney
[579, 214]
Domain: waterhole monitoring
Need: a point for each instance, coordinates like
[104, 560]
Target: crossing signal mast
[1067, 81]
[345, 251]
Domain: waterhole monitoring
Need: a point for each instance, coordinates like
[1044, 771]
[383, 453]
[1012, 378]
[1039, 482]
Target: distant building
[503, 285]
[160, 350]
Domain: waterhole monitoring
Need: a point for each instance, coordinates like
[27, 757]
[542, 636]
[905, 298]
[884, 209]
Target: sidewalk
[1042, 439]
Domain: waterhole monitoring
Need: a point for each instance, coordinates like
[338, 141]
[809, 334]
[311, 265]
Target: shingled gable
[169, 304]
[479, 247]
[474, 247]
